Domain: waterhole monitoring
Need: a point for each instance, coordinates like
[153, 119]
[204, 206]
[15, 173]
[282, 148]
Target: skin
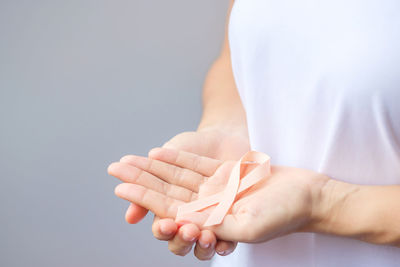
[278, 205]
[289, 200]
[217, 144]
[222, 135]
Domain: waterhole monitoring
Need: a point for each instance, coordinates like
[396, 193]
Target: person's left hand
[283, 203]
[217, 142]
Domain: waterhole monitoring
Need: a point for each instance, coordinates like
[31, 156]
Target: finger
[183, 241]
[205, 246]
[169, 173]
[135, 213]
[233, 228]
[130, 174]
[164, 229]
[160, 204]
[224, 248]
[199, 164]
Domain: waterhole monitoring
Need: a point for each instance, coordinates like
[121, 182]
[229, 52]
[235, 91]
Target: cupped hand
[209, 142]
[279, 205]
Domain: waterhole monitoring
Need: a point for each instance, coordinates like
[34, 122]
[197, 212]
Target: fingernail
[204, 245]
[222, 253]
[188, 238]
[165, 231]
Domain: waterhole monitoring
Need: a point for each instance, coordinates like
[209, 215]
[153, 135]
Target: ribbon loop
[236, 184]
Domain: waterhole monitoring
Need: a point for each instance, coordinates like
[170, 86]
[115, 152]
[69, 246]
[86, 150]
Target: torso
[320, 83]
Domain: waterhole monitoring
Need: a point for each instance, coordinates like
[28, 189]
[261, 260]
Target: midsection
[320, 83]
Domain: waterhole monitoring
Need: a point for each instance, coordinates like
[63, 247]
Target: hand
[210, 142]
[282, 204]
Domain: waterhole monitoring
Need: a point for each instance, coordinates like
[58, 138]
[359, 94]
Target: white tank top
[320, 83]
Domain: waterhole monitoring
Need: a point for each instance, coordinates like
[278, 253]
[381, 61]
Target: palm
[273, 207]
[215, 144]
[263, 212]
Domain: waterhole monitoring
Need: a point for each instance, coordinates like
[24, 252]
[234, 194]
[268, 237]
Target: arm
[337, 208]
[222, 106]
[222, 134]
[223, 125]
[368, 213]
[289, 200]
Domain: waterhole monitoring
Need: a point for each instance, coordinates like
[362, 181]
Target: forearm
[367, 213]
[222, 107]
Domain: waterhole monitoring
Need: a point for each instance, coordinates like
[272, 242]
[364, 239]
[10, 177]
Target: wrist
[366, 213]
[319, 204]
[339, 209]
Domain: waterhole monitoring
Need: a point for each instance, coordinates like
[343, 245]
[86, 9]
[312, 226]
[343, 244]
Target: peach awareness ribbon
[236, 184]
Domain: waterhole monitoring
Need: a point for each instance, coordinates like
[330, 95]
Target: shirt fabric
[320, 83]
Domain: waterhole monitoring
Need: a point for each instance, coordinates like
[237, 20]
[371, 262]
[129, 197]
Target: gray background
[81, 84]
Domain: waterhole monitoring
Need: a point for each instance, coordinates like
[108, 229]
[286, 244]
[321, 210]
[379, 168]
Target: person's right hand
[213, 143]
[287, 201]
